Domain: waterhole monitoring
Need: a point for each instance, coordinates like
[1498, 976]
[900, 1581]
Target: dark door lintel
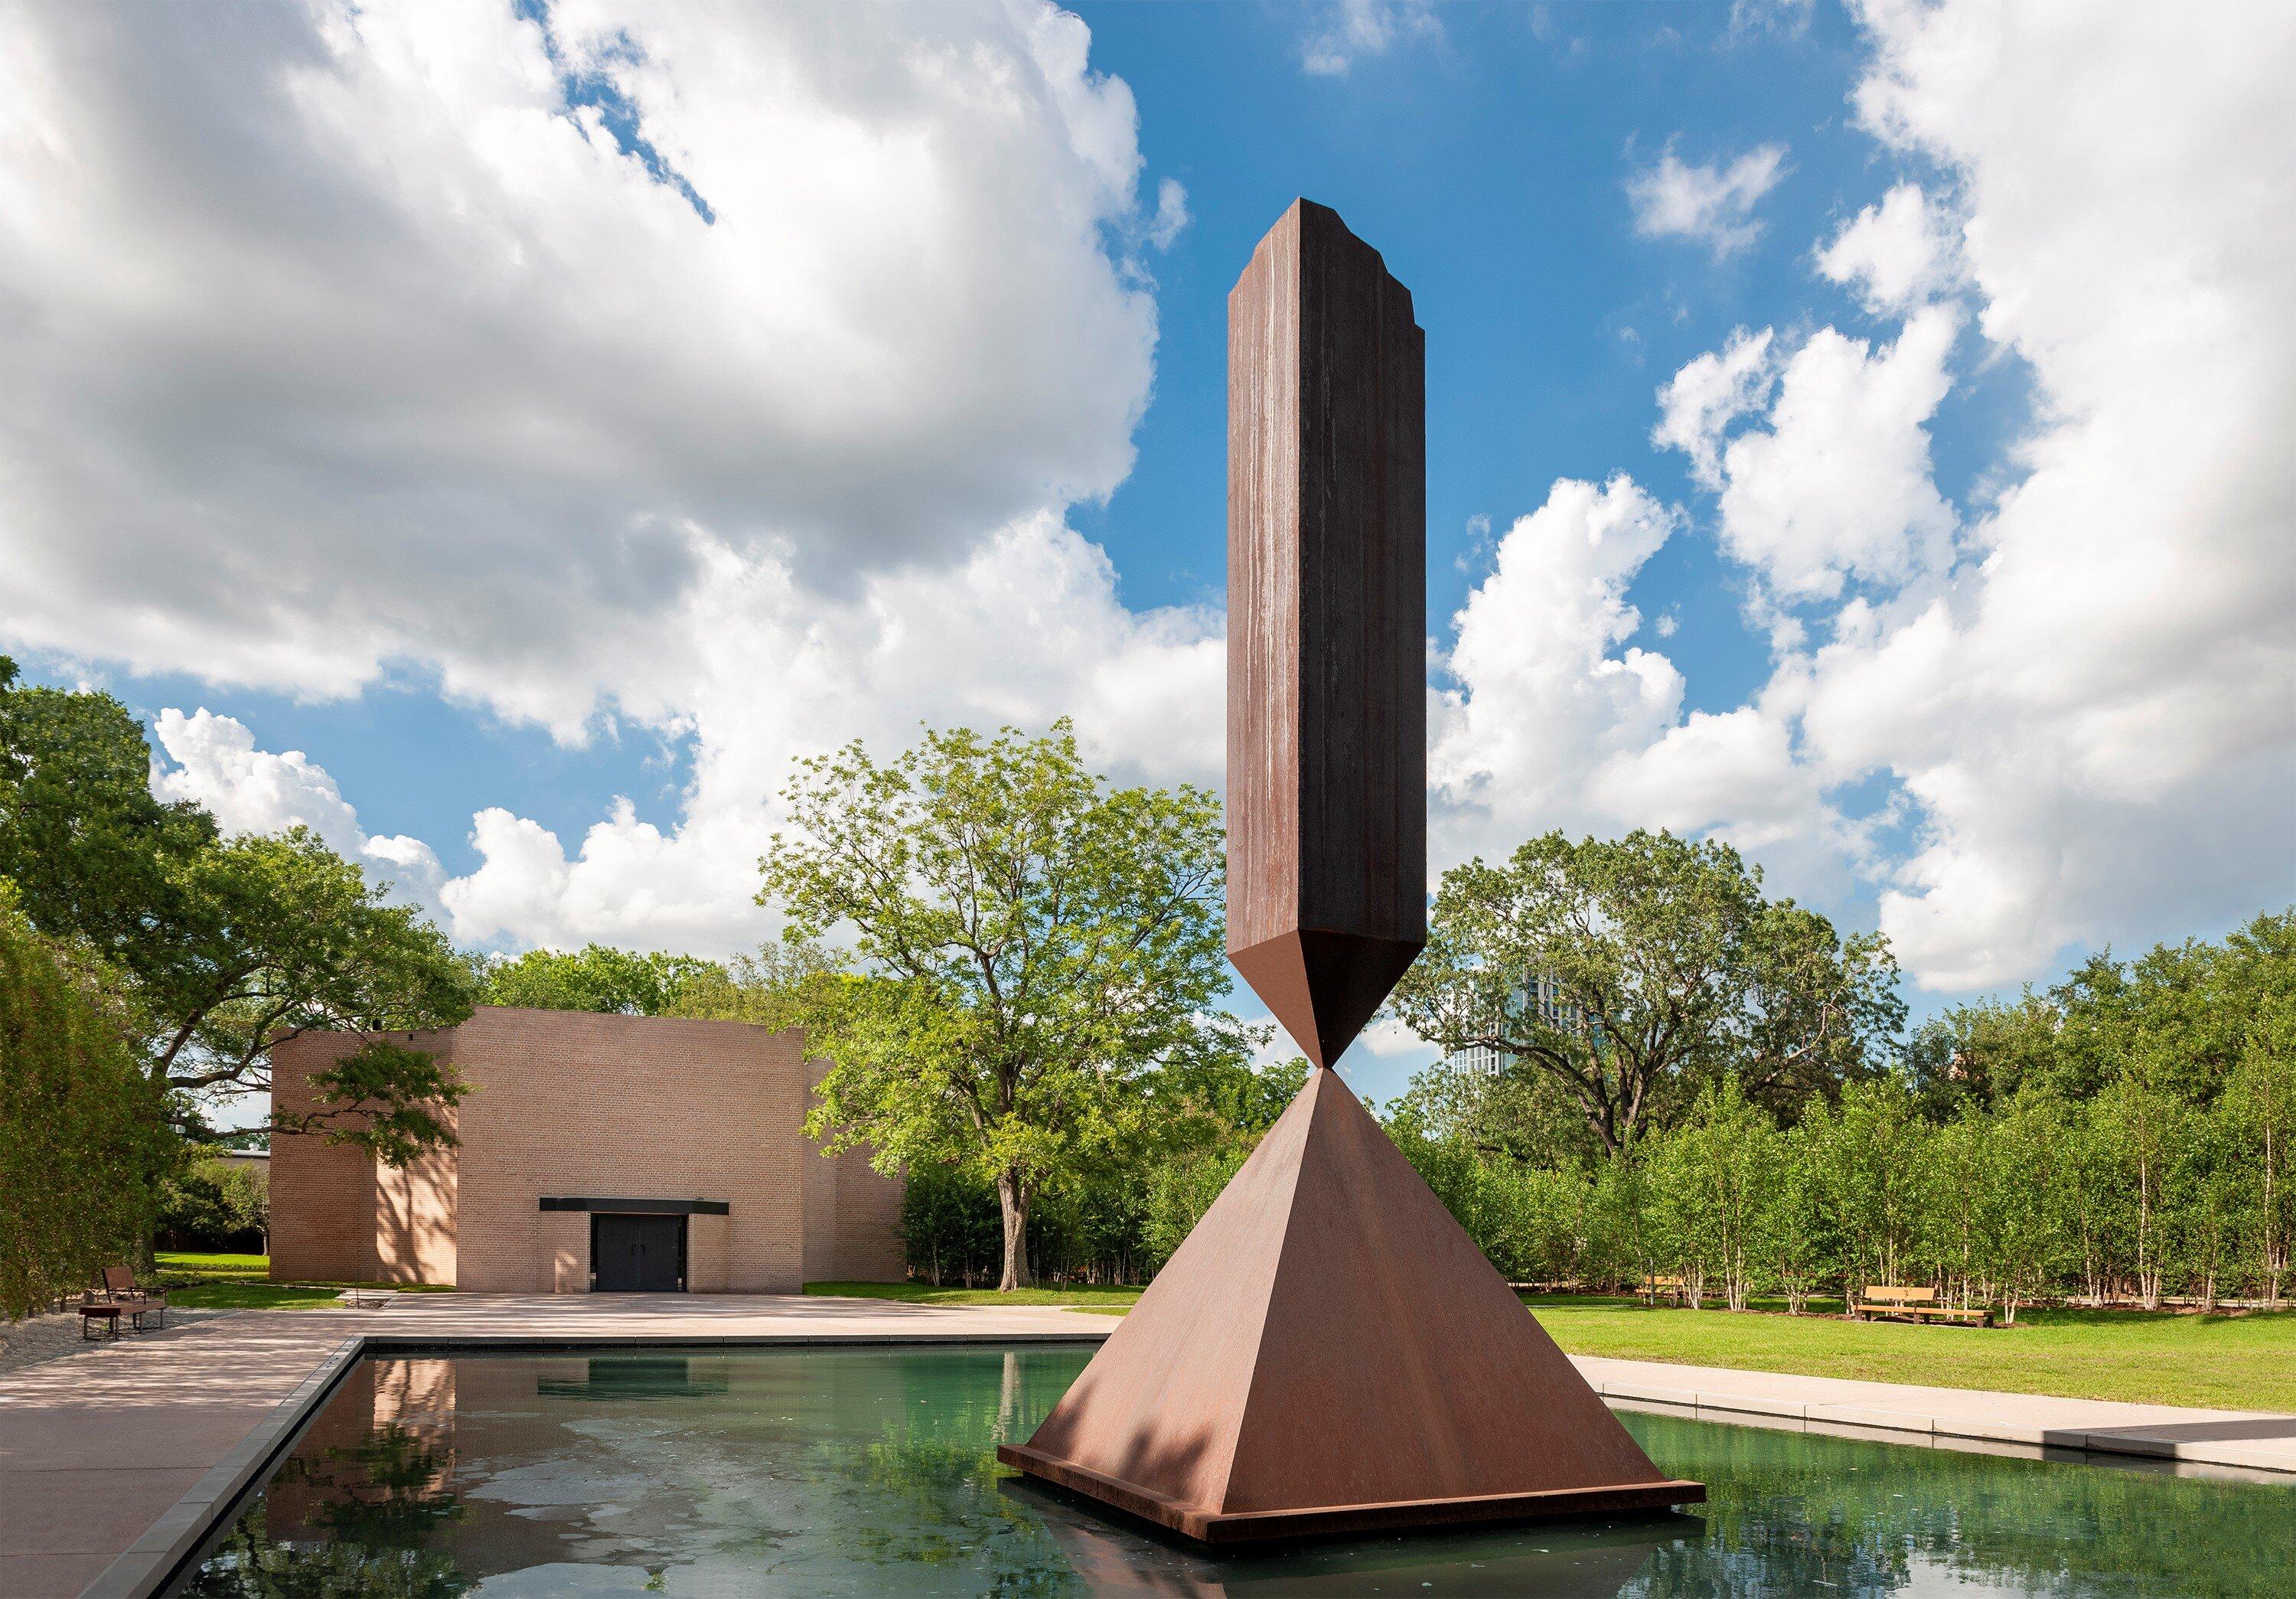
[639, 1207]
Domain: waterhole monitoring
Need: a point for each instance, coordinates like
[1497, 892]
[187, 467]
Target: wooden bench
[1918, 1304]
[1673, 1288]
[118, 1292]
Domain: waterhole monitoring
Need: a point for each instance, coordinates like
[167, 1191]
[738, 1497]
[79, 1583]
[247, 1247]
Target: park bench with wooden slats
[1673, 1288]
[1920, 1304]
[116, 1293]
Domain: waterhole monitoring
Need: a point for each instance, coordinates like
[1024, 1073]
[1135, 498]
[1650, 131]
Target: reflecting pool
[874, 1471]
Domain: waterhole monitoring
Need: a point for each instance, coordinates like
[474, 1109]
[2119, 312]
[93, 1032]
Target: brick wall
[707, 1242]
[322, 1195]
[853, 1215]
[566, 1102]
[415, 1216]
[868, 1231]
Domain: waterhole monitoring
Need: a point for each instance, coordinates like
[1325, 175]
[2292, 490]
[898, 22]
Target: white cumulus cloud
[1697, 406]
[212, 761]
[2077, 696]
[1545, 685]
[1897, 253]
[1712, 204]
[347, 335]
[1838, 484]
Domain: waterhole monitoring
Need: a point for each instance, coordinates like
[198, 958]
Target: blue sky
[520, 487]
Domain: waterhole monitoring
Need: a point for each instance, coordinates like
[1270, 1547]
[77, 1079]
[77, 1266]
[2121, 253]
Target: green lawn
[1115, 1302]
[2226, 1362]
[197, 1281]
[2233, 1363]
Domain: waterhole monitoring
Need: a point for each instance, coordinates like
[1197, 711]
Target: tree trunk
[1012, 1200]
[2275, 1249]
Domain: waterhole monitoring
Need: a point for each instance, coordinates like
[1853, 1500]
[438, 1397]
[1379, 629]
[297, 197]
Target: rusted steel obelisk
[1327, 629]
[1329, 1352]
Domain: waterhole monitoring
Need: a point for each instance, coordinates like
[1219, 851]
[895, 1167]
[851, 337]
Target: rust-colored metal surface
[1328, 1351]
[1327, 599]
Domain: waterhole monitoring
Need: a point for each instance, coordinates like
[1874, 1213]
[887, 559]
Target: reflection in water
[638, 1377]
[866, 1472]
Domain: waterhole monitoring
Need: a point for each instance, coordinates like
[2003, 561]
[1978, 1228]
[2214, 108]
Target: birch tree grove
[2126, 1137]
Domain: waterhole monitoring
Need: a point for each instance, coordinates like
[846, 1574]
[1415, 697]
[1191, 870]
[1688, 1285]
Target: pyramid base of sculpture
[1327, 1521]
[1328, 1352]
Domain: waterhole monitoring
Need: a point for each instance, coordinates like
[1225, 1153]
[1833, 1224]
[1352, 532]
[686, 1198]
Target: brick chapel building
[596, 1153]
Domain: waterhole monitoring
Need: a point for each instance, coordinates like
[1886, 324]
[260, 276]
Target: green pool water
[872, 1470]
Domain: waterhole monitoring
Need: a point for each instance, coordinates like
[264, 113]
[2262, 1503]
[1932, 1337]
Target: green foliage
[293, 939]
[949, 1228]
[1040, 950]
[221, 948]
[213, 1203]
[384, 1098]
[1115, 1224]
[1179, 1192]
[1718, 1178]
[595, 977]
[2130, 1134]
[785, 985]
[1672, 967]
[83, 1142]
[95, 859]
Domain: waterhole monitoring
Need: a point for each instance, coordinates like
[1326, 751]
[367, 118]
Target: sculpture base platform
[1329, 1352]
[1220, 1529]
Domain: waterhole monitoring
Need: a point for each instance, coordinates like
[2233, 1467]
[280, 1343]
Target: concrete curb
[2277, 1456]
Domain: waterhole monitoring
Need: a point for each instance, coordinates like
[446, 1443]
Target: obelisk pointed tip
[1324, 986]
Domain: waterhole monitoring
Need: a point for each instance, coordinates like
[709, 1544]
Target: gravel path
[43, 1338]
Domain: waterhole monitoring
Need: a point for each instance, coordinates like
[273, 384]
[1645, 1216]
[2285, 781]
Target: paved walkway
[37, 1339]
[124, 1451]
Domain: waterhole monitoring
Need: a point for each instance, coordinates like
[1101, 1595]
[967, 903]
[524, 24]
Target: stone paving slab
[111, 1464]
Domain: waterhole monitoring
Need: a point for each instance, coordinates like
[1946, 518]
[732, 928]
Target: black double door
[637, 1254]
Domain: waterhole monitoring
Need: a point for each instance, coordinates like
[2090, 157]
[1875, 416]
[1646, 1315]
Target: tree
[2260, 1103]
[225, 948]
[1529, 1118]
[1670, 968]
[1870, 1157]
[2020, 1221]
[1180, 1191]
[95, 859]
[83, 1142]
[1718, 1176]
[1040, 944]
[286, 937]
[1804, 1236]
[1982, 1054]
[212, 1202]
[2206, 1201]
[2140, 1128]
[596, 978]
[782, 986]
[2260, 1095]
